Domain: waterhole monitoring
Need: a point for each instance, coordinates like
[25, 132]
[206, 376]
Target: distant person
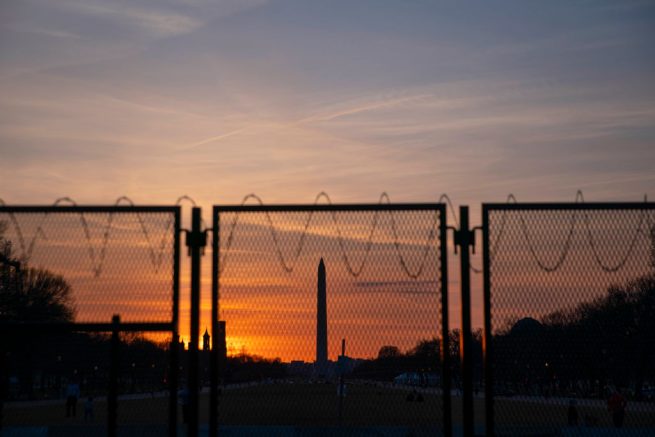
[572, 416]
[72, 394]
[616, 405]
[88, 409]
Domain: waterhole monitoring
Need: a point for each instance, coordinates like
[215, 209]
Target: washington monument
[321, 322]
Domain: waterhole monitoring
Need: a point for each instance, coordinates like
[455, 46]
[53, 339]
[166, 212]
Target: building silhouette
[205, 341]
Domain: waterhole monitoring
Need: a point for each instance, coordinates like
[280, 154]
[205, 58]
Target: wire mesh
[572, 295]
[383, 289]
[60, 382]
[64, 272]
[114, 262]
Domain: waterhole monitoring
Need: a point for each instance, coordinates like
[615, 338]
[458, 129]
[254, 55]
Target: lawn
[302, 405]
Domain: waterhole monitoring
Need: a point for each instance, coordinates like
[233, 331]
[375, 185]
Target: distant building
[299, 368]
[205, 341]
[346, 365]
[527, 325]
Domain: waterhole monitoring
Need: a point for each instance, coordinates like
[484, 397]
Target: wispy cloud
[51, 33]
[159, 21]
[213, 139]
[229, 101]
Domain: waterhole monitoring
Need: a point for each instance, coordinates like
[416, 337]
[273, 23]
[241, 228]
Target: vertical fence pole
[173, 378]
[445, 338]
[464, 239]
[196, 241]
[173, 374]
[112, 399]
[213, 364]
[487, 345]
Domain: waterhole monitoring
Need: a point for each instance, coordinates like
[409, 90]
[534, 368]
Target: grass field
[317, 405]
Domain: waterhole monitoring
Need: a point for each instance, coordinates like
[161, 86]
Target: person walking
[72, 394]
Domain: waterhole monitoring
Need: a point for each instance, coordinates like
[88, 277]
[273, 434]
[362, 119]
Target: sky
[219, 99]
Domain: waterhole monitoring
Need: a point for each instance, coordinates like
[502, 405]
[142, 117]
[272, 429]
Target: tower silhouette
[321, 322]
[205, 340]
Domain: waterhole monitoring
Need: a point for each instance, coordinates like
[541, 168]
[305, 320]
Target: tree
[425, 356]
[30, 294]
[606, 340]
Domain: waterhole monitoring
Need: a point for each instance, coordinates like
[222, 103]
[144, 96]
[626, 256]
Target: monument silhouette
[321, 364]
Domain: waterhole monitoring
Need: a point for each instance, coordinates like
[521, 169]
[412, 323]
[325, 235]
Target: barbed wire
[156, 251]
[353, 269]
[566, 247]
[97, 254]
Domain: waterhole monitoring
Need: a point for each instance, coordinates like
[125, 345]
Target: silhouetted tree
[425, 356]
[244, 368]
[29, 294]
[610, 339]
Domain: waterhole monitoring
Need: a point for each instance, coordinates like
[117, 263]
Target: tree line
[585, 350]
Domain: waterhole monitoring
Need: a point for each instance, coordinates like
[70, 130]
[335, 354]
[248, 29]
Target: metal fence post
[464, 238]
[213, 363]
[173, 376]
[487, 345]
[196, 241]
[174, 371]
[112, 399]
[446, 373]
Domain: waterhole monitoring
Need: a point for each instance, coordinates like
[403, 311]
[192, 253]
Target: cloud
[159, 22]
[402, 283]
[286, 100]
[401, 287]
[51, 33]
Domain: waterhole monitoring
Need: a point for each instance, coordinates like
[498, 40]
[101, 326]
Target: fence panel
[65, 271]
[569, 317]
[295, 281]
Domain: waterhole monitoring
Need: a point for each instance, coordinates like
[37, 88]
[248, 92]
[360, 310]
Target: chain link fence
[296, 282]
[65, 272]
[329, 315]
[570, 317]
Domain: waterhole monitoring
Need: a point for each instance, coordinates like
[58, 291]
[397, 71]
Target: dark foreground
[286, 409]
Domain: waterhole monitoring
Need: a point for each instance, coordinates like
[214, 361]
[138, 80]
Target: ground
[285, 404]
